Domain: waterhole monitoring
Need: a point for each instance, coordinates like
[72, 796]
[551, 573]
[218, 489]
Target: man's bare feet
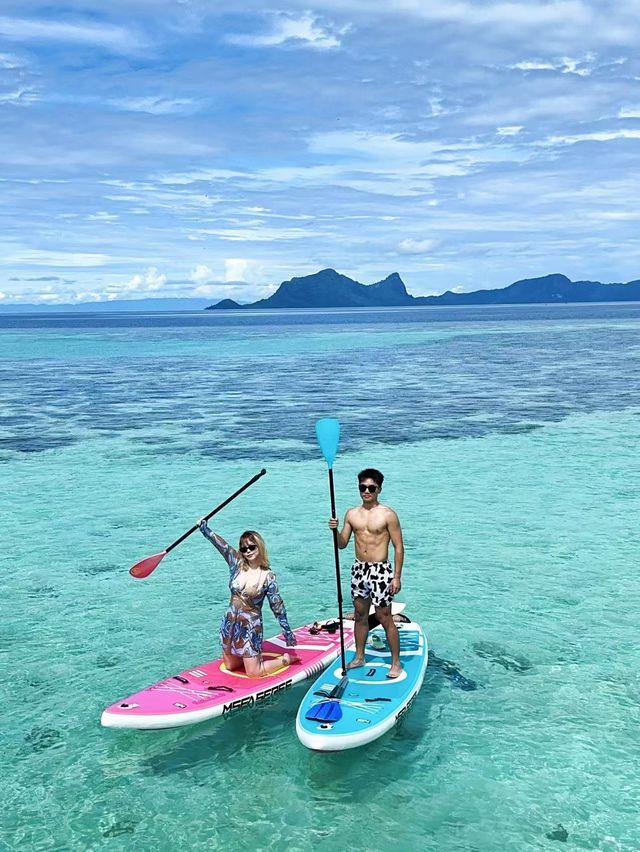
[290, 658]
[394, 672]
[356, 663]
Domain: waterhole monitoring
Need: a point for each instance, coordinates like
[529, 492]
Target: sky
[155, 148]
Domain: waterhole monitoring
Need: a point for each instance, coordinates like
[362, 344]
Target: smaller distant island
[329, 289]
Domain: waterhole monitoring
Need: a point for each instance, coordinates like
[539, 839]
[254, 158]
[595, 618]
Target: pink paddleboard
[210, 690]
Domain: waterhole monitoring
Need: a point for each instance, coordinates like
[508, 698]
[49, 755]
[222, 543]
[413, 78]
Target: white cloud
[118, 39]
[565, 65]
[240, 269]
[304, 31]
[525, 109]
[617, 215]
[38, 257]
[390, 152]
[505, 14]
[202, 274]
[510, 130]
[212, 289]
[574, 66]
[236, 269]
[378, 163]
[259, 234]
[597, 136]
[87, 296]
[22, 96]
[11, 62]
[435, 105]
[410, 246]
[156, 105]
[629, 112]
[148, 281]
[534, 66]
[186, 178]
[263, 213]
[48, 297]
[151, 195]
[102, 216]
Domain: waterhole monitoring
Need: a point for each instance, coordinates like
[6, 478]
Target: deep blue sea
[509, 439]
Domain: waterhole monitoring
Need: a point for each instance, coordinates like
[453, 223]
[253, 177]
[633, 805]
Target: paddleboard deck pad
[371, 704]
[210, 690]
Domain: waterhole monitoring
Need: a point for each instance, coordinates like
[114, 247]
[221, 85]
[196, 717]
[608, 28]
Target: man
[373, 580]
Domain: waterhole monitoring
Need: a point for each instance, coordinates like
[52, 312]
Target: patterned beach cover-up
[241, 628]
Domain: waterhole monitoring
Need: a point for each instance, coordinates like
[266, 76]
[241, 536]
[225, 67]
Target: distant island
[329, 289]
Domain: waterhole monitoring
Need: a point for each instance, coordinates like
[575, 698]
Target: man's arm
[345, 533]
[395, 534]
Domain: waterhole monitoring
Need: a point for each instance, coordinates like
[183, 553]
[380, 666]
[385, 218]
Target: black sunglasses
[247, 548]
[369, 488]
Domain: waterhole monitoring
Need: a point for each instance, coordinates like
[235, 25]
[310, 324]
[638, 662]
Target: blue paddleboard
[365, 704]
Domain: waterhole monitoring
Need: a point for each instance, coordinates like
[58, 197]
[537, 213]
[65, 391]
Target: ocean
[509, 440]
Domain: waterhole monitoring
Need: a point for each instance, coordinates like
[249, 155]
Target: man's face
[368, 490]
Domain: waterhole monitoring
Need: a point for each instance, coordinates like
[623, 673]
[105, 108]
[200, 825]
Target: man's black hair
[371, 473]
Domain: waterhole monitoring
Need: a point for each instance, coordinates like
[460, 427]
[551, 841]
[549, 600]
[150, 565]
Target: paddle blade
[143, 568]
[328, 435]
[325, 711]
[330, 709]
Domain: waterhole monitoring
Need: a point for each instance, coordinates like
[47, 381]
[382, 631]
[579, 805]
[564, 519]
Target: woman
[250, 581]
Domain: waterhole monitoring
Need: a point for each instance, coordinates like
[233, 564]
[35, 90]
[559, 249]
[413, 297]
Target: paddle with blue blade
[329, 710]
[328, 435]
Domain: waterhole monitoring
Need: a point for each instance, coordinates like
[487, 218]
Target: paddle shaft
[337, 560]
[217, 509]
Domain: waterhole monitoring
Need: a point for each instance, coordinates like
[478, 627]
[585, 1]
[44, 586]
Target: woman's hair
[252, 537]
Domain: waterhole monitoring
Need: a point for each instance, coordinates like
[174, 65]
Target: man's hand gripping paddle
[146, 566]
[328, 435]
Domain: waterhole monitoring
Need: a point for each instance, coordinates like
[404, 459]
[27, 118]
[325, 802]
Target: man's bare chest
[373, 527]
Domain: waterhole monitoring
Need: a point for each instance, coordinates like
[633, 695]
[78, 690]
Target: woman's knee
[232, 663]
[253, 666]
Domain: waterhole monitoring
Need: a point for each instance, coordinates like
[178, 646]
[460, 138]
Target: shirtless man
[372, 578]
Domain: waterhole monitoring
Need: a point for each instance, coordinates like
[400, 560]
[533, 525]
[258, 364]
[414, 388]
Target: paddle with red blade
[145, 567]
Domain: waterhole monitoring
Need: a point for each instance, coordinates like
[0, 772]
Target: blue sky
[188, 148]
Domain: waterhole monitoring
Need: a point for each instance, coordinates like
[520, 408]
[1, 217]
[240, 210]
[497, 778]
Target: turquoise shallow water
[509, 440]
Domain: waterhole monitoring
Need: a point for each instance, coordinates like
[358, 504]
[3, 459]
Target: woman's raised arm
[227, 552]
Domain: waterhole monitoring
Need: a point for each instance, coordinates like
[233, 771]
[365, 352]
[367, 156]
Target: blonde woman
[250, 581]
